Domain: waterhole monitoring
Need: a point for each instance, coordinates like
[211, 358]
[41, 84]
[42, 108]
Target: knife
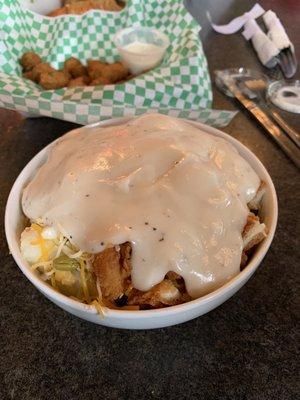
[290, 149]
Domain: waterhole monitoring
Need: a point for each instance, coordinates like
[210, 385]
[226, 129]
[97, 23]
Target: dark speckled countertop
[245, 349]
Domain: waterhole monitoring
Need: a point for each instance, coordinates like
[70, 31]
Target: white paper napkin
[237, 23]
[276, 31]
[265, 48]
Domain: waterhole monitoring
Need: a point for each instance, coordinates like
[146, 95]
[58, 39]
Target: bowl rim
[47, 290]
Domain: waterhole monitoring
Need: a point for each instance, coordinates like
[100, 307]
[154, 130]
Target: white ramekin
[141, 61]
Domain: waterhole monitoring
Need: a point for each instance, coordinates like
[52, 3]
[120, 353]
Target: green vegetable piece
[65, 263]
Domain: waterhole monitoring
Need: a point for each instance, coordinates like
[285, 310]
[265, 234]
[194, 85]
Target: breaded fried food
[29, 60]
[95, 68]
[101, 81]
[58, 11]
[115, 72]
[179, 283]
[244, 259]
[104, 74]
[39, 69]
[72, 2]
[79, 7]
[53, 80]
[255, 203]
[81, 81]
[254, 232]
[74, 67]
[163, 294]
[82, 6]
[29, 75]
[74, 74]
[112, 268]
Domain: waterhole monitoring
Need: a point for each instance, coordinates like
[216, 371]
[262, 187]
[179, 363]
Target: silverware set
[250, 88]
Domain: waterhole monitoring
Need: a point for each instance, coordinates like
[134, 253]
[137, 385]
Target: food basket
[180, 86]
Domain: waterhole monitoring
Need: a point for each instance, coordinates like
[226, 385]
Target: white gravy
[178, 194]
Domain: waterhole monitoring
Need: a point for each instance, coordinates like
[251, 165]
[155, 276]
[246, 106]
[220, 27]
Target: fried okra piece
[115, 72]
[104, 74]
[80, 81]
[29, 75]
[95, 69]
[35, 73]
[53, 80]
[29, 60]
[74, 68]
[101, 81]
[80, 7]
[58, 11]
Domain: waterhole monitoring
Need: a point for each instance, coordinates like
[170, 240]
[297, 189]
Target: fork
[287, 62]
[256, 89]
[275, 73]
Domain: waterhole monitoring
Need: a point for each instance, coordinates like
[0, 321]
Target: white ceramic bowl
[14, 224]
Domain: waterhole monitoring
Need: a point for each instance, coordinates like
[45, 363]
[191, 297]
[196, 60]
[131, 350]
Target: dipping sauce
[141, 48]
[178, 194]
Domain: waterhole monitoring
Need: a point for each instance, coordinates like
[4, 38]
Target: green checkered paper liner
[179, 86]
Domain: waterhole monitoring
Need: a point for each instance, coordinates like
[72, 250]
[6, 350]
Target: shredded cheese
[99, 307]
[47, 269]
[84, 283]
[53, 281]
